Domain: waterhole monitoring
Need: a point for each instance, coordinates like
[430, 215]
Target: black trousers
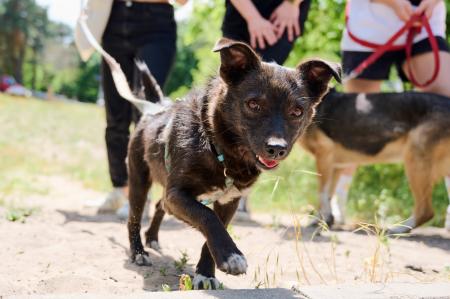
[146, 31]
[234, 26]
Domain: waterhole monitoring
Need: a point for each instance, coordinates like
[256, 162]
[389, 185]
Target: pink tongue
[268, 163]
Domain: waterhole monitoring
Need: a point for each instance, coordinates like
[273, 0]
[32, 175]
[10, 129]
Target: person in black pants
[144, 30]
[270, 27]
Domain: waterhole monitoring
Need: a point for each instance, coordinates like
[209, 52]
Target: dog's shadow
[437, 239]
[162, 272]
[440, 241]
[304, 234]
[74, 216]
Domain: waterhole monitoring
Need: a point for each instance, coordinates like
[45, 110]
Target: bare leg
[422, 68]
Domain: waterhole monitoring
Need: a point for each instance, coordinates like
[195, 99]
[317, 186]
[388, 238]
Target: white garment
[97, 13]
[376, 23]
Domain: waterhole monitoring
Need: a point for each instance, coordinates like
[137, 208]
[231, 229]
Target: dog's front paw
[235, 264]
[141, 259]
[201, 282]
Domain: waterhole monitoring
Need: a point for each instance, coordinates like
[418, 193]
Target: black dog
[213, 145]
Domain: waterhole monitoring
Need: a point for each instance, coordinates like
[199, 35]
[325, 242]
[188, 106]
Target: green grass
[54, 138]
[50, 138]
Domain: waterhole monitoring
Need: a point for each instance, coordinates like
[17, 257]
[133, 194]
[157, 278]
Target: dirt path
[66, 248]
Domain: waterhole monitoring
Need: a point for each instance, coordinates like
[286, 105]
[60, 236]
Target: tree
[24, 24]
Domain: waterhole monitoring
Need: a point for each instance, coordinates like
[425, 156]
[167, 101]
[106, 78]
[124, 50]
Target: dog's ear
[317, 73]
[152, 90]
[237, 59]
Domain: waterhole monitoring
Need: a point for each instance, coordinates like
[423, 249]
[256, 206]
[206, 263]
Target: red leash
[412, 28]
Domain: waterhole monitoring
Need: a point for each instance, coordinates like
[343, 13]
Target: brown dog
[359, 129]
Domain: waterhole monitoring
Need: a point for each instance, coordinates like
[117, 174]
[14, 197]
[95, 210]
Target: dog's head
[267, 105]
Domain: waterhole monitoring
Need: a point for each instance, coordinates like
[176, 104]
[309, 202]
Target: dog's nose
[276, 148]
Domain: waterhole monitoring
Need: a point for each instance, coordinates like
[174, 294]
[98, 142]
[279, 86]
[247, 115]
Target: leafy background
[40, 54]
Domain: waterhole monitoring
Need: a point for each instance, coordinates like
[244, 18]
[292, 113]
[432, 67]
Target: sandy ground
[65, 247]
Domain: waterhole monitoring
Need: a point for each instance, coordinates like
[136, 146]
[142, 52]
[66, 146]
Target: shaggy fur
[252, 114]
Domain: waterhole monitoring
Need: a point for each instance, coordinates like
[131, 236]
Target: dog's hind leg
[151, 235]
[139, 184]
[205, 271]
[418, 168]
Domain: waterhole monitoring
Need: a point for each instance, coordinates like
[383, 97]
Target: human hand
[285, 17]
[402, 8]
[427, 7]
[181, 2]
[261, 31]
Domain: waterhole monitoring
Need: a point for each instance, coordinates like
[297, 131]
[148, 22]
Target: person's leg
[423, 66]
[159, 57]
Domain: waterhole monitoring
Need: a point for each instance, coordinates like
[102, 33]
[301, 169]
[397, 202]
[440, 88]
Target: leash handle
[379, 49]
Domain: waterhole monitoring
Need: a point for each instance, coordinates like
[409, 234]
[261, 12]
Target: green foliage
[196, 37]
[181, 263]
[50, 139]
[377, 190]
[18, 214]
[383, 191]
[323, 31]
[87, 81]
[166, 288]
[186, 283]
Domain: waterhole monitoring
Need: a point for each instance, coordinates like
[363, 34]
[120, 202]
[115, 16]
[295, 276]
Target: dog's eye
[253, 105]
[296, 112]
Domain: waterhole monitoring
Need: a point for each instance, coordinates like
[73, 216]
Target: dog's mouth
[266, 163]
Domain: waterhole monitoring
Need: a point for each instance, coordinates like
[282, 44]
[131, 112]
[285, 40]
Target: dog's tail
[152, 91]
[121, 82]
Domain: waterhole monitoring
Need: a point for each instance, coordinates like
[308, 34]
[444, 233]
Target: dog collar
[221, 158]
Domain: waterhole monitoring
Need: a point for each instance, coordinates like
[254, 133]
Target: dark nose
[275, 151]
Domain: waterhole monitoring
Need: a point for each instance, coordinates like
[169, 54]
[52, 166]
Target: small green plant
[18, 214]
[180, 264]
[163, 271]
[377, 266]
[166, 288]
[186, 283]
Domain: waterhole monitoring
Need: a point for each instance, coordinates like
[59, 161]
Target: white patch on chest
[223, 196]
[362, 104]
